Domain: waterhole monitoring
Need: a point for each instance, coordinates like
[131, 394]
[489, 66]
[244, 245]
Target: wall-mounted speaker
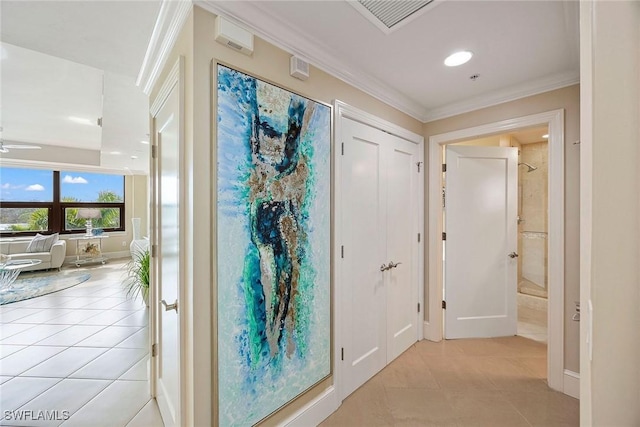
[233, 36]
[299, 68]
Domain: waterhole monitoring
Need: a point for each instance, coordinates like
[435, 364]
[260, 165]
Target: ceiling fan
[4, 148]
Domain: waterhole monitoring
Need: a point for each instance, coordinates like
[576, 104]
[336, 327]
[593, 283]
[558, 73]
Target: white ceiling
[41, 92]
[108, 35]
[521, 48]
[63, 59]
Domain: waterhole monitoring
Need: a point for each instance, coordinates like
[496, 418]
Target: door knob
[169, 307]
[513, 255]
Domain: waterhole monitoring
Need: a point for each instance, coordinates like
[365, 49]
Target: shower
[531, 167]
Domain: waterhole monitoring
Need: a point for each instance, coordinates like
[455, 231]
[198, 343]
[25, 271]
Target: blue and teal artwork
[274, 262]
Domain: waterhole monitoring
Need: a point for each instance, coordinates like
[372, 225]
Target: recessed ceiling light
[115, 153]
[458, 58]
[545, 136]
[81, 120]
[134, 157]
[144, 142]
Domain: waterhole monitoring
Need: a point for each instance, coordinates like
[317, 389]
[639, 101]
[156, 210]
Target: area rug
[31, 285]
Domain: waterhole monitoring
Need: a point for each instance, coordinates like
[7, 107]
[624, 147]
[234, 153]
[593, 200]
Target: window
[34, 200]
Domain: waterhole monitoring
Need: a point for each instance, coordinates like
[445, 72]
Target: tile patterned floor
[83, 350]
[474, 382]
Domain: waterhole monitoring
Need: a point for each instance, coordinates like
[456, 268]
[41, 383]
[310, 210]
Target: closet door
[364, 220]
[402, 246]
[379, 229]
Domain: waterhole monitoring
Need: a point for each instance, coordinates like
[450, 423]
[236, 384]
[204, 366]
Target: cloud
[68, 179]
[35, 187]
[6, 186]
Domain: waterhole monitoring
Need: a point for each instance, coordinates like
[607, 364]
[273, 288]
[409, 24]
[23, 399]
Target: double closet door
[379, 219]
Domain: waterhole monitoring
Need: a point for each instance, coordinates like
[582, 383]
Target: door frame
[174, 81]
[554, 119]
[342, 110]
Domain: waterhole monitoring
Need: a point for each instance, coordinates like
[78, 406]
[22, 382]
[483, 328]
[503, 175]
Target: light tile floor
[83, 350]
[474, 382]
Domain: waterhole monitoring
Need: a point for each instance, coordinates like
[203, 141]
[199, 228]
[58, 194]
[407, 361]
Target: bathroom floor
[532, 317]
[79, 356]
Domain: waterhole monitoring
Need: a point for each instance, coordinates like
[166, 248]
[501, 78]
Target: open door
[168, 264]
[481, 265]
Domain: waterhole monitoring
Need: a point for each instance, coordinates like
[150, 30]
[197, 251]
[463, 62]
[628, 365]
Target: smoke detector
[388, 16]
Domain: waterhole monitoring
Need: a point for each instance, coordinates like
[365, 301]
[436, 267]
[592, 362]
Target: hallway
[486, 382]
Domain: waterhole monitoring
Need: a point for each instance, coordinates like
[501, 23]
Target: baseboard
[430, 333]
[109, 255]
[315, 411]
[571, 384]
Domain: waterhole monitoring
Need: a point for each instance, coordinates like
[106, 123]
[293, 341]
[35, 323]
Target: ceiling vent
[388, 15]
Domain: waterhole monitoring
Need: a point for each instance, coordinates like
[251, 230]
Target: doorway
[167, 301]
[532, 224]
[554, 120]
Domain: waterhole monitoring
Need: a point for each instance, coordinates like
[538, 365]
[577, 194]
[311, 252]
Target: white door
[168, 265]
[481, 241]
[379, 222]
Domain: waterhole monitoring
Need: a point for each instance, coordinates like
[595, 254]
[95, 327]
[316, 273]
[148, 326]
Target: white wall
[610, 227]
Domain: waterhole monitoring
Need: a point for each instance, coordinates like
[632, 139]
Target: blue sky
[33, 185]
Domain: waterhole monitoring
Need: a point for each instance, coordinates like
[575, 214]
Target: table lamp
[89, 214]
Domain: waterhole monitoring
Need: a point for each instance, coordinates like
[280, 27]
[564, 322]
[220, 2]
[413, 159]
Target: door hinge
[444, 305]
[418, 307]
[418, 164]
[444, 236]
[418, 237]
[444, 167]
[154, 249]
[154, 151]
[342, 353]
[342, 149]
[154, 350]
[341, 251]
[99, 121]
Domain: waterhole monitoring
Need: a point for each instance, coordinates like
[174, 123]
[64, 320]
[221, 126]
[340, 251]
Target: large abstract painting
[274, 219]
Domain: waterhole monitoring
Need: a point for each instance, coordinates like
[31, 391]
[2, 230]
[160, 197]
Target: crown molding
[530, 88]
[259, 20]
[171, 18]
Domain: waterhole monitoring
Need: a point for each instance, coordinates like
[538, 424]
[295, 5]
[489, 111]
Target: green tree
[110, 217]
[72, 222]
[38, 220]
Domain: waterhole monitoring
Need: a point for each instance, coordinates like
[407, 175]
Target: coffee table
[9, 272]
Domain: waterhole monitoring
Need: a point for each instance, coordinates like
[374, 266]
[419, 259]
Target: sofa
[16, 249]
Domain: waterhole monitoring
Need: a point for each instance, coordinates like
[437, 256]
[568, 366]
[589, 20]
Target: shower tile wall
[533, 211]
